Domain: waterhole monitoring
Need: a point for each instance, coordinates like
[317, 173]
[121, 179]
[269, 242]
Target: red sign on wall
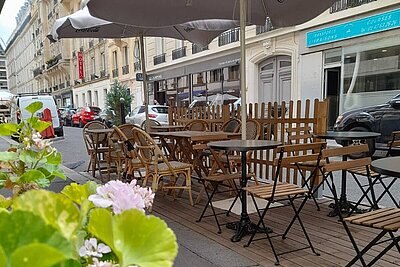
[80, 64]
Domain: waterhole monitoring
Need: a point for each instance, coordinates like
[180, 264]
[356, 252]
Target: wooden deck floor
[327, 234]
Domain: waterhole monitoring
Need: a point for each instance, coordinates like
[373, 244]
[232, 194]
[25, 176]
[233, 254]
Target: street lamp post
[122, 110]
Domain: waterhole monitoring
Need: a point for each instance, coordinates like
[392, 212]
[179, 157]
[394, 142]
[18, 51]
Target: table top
[244, 145]
[387, 166]
[167, 127]
[99, 131]
[347, 135]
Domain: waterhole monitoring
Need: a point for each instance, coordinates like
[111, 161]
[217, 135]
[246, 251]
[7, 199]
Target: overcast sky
[7, 18]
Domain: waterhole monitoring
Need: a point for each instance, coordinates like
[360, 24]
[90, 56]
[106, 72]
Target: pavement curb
[74, 176]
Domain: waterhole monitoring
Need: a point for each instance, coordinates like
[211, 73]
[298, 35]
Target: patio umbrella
[82, 24]
[156, 13]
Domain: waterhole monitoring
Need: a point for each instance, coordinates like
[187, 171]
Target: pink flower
[121, 196]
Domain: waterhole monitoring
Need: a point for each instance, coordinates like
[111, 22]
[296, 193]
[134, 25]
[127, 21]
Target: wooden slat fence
[275, 118]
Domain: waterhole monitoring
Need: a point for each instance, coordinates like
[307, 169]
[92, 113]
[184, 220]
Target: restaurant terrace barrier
[275, 119]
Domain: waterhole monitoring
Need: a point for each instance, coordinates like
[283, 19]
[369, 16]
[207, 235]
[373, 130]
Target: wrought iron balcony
[346, 4]
[125, 69]
[228, 37]
[137, 65]
[53, 61]
[68, 83]
[83, 80]
[61, 86]
[77, 82]
[196, 49]
[55, 88]
[266, 28]
[102, 73]
[115, 73]
[93, 77]
[37, 72]
[159, 59]
[179, 52]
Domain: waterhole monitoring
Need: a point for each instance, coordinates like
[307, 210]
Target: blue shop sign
[377, 23]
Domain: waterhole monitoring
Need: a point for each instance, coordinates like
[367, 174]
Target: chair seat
[385, 219]
[312, 163]
[282, 190]
[225, 177]
[176, 165]
[102, 149]
[363, 171]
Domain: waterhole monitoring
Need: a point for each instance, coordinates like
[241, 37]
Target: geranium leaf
[8, 156]
[54, 209]
[34, 107]
[80, 193]
[54, 159]
[5, 203]
[32, 176]
[7, 129]
[40, 126]
[21, 228]
[135, 238]
[28, 156]
[43, 182]
[28, 256]
[3, 258]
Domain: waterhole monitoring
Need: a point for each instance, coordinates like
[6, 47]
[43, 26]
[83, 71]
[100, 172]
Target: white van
[21, 102]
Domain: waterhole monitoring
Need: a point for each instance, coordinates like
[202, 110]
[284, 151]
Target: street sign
[139, 76]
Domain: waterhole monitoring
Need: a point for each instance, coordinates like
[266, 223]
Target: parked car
[84, 115]
[158, 113]
[383, 118]
[66, 116]
[18, 111]
[107, 116]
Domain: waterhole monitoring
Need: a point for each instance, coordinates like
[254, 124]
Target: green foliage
[118, 91]
[45, 229]
[33, 163]
[156, 248]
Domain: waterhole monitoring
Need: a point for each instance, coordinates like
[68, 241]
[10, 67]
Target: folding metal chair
[288, 155]
[387, 220]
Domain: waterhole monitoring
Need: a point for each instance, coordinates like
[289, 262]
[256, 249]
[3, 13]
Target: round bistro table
[347, 138]
[244, 226]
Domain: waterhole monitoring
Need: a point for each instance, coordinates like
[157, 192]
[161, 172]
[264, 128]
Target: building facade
[3, 70]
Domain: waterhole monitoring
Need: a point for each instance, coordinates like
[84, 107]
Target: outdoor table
[185, 141]
[95, 135]
[347, 138]
[244, 226]
[167, 128]
[388, 166]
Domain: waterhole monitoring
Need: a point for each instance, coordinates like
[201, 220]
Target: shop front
[353, 64]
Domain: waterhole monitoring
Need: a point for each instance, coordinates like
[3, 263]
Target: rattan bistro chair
[231, 126]
[197, 125]
[158, 168]
[288, 154]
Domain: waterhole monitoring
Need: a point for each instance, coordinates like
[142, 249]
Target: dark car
[66, 116]
[384, 119]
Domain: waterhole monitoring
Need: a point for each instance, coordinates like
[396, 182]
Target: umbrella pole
[243, 10]
[146, 94]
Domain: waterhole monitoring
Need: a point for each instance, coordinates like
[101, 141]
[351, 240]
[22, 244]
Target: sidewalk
[195, 250]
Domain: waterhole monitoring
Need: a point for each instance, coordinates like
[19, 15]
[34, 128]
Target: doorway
[275, 79]
[332, 91]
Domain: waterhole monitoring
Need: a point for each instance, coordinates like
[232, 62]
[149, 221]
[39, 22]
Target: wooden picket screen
[275, 118]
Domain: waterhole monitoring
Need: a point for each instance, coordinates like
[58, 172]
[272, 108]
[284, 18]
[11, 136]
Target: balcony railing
[346, 4]
[68, 84]
[266, 28]
[102, 73]
[55, 88]
[53, 61]
[137, 66]
[179, 52]
[83, 80]
[125, 69]
[228, 37]
[115, 73]
[197, 49]
[61, 86]
[159, 59]
[37, 72]
[93, 77]
[77, 82]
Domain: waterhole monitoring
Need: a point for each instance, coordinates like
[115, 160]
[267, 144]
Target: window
[126, 60]
[159, 45]
[141, 110]
[233, 73]
[115, 60]
[103, 61]
[93, 62]
[215, 75]
[179, 43]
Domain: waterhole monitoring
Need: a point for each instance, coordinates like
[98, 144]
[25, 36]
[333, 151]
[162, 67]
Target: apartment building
[3, 70]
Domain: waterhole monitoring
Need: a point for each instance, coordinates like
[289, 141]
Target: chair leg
[189, 187]
[209, 202]
[236, 198]
[387, 191]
